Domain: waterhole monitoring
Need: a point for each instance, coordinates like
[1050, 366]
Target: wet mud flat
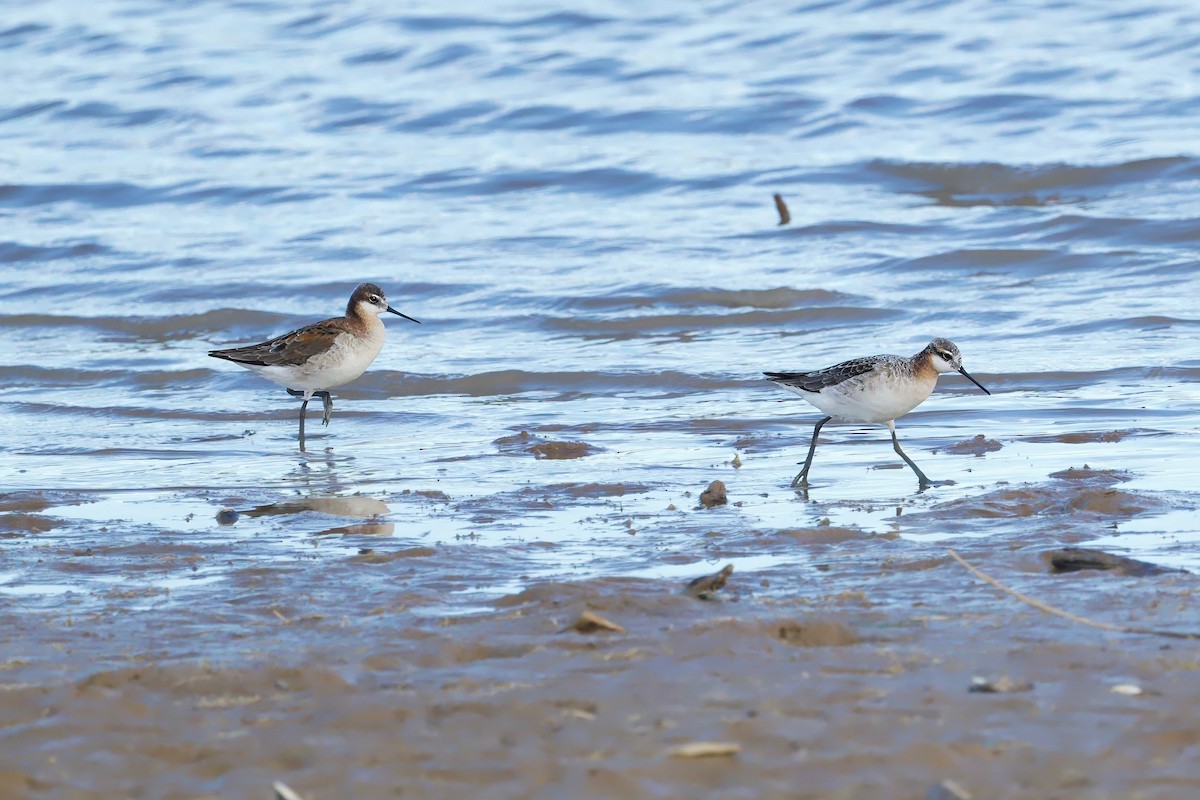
[863, 665]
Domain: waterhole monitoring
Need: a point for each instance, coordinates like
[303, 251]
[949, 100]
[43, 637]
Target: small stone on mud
[227, 516]
[589, 622]
[1129, 690]
[704, 587]
[705, 750]
[714, 495]
[1001, 685]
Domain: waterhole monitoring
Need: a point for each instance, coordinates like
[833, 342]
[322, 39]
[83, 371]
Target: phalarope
[876, 389]
[310, 361]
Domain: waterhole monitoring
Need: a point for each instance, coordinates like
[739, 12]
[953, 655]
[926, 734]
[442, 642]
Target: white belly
[348, 358]
[876, 400]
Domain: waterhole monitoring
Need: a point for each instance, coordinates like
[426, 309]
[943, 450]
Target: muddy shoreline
[848, 676]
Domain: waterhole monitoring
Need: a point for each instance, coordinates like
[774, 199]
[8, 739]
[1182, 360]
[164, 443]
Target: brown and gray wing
[290, 349]
[822, 378]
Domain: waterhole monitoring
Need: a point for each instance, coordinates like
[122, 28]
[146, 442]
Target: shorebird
[876, 389]
[312, 360]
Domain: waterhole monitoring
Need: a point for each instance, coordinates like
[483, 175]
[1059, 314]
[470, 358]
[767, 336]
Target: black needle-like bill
[410, 319]
[972, 380]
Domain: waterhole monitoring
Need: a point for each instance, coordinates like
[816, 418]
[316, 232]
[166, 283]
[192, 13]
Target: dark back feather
[290, 349]
[820, 379]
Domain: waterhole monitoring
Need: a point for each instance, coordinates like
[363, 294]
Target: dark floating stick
[785, 216]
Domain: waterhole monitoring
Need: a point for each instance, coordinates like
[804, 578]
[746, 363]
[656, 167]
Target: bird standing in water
[312, 360]
[877, 389]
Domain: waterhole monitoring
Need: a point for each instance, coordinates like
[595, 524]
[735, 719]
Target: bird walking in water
[876, 389]
[312, 360]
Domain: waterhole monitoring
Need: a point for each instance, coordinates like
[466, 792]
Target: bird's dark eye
[374, 298]
[945, 356]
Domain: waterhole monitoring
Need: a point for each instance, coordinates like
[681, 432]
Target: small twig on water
[1058, 612]
[784, 215]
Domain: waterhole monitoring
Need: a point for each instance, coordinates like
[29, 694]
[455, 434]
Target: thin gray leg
[802, 478]
[303, 409]
[896, 446]
[328, 407]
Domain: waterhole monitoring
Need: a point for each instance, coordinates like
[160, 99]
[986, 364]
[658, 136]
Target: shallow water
[577, 206]
[576, 203]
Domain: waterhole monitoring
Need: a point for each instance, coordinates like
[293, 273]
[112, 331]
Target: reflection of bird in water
[336, 506]
[873, 389]
[354, 507]
[310, 361]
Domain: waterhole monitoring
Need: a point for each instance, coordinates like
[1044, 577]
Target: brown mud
[849, 670]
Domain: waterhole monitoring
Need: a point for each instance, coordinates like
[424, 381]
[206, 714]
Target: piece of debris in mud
[227, 516]
[737, 461]
[705, 750]
[1001, 685]
[706, 586]
[785, 216]
[714, 495]
[285, 792]
[1130, 690]
[948, 790]
[590, 622]
[975, 446]
[1076, 559]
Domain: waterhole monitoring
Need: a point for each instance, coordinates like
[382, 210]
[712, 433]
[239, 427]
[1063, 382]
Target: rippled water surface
[576, 203]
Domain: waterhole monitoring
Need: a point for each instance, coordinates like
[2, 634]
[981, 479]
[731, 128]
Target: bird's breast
[347, 357]
[878, 398]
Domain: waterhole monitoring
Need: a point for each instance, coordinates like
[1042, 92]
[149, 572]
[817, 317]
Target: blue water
[577, 205]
